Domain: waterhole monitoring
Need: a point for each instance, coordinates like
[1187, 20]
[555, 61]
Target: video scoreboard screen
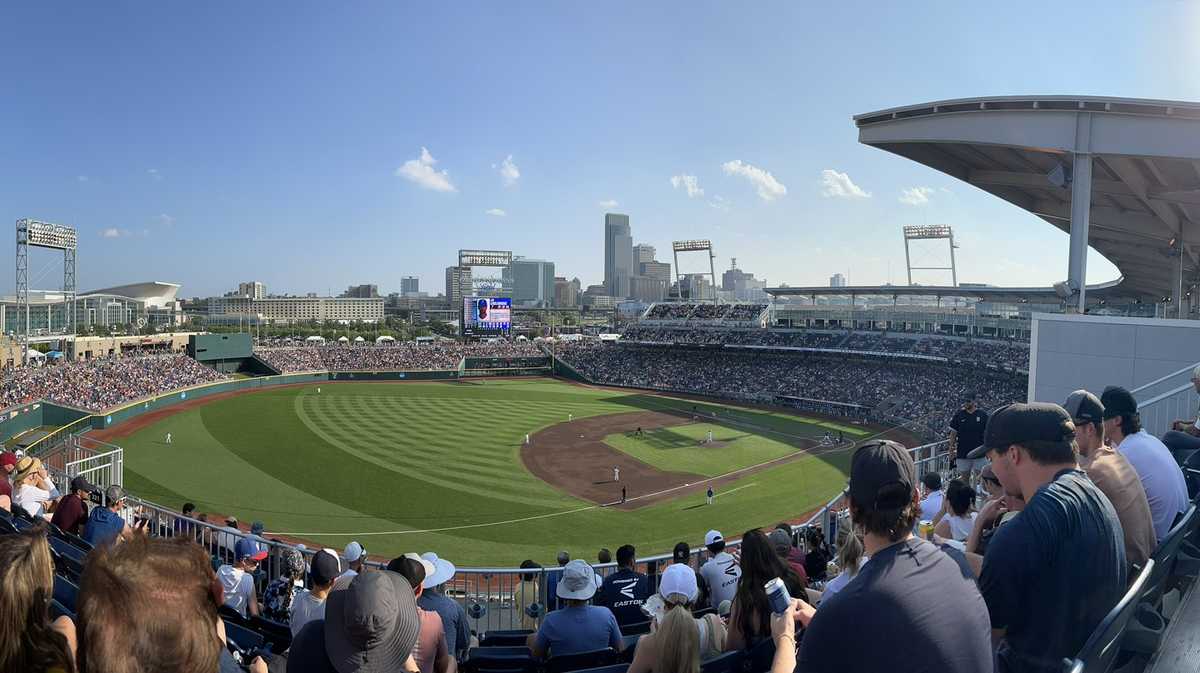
[489, 315]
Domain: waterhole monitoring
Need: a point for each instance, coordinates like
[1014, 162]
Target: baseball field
[445, 466]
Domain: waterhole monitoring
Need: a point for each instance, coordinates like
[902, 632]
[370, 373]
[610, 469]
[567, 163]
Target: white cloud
[719, 202]
[840, 186]
[166, 220]
[689, 183]
[917, 196]
[421, 172]
[81, 178]
[113, 232]
[496, 212]
[153, 173]
[765, 184]
[508, 171]
[609, 203]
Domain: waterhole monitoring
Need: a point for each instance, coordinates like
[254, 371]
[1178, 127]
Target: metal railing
[1166, 399]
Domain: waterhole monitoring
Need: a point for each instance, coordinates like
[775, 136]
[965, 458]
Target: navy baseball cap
[1118, 402]
[1084, 407]
[251, 549]
[882, 476]
[1021, 422]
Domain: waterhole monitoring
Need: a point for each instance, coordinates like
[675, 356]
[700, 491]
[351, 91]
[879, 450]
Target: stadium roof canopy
[1121, 175]
[153, 293]
[1013, 295]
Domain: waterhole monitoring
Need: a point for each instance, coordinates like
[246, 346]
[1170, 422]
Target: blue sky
[207, 143]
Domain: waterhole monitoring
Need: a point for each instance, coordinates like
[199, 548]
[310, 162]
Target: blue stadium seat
[635, 629]
[65, 592]
[59, 610]
[7, 527]
[67, 559]
[1164, 559]
[1099, 653]
[500, 660]
[244, 639]
[581, 660]
[277, 635]
[514, 637]
[730, 662]
[615, 668]
[629, 648]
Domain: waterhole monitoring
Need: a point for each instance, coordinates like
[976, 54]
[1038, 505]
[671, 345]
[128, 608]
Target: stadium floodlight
[38, 234]
[696, 246]
[930, 231]
[489, 258]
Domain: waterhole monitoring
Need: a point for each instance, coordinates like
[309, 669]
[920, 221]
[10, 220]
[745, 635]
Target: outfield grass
[680, 448]
[436, 466]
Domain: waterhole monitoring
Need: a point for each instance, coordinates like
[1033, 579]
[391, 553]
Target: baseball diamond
[443, 465]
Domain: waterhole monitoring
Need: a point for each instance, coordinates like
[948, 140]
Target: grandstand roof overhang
[1013, 295]
[1144, 186]
[153, 293]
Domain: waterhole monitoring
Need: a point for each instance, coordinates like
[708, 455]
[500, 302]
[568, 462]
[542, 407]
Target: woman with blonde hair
[678, 642]
[850, 559]
[32, 489]
[29, 641]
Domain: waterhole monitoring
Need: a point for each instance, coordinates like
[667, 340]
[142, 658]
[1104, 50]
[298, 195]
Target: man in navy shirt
[624, 591]
[1052, 573]
[886, 597]
[966, 433]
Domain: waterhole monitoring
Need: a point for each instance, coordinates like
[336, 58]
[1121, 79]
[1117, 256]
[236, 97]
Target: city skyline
[189, 145]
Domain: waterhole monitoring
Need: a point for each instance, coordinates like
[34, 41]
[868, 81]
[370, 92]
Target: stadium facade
[151, 303]
[287, 310]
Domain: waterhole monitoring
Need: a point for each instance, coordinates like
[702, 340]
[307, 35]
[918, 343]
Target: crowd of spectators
[103, 383]
[992, 352]
[923, 395]
[695, 312]
[405, 356]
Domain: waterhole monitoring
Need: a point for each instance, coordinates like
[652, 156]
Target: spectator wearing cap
[781, 542]
[33, 490]
[280, 594]
[953, 636]
[966, 433]
[309, 604]
[721, 572]
[1183, 439]
[8, 463]
[687, 640]
[576, 627]
[626, 590]
[552, 578]
[931, 504]
[977, 542]
[430, 652]
[370, 627]
[1166, 489]
[238, 579]
[184, 525]
[1113, 475]
[354, 555]
[1051, 574]
[72, 511]
[454, 617]
[105, 525]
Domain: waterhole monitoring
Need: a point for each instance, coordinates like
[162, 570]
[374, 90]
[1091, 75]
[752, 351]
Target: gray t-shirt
[921, 599]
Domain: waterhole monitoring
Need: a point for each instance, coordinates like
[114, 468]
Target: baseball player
[710, 495]
[616, 473]
[168, 438]
[527, 439]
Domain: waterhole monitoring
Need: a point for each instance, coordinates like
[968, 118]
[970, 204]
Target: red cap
[8, 459]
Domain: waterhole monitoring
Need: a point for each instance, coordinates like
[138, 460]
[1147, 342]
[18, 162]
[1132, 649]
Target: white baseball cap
[679, 579]
[430, 567]
[354, 552]
[712, 537]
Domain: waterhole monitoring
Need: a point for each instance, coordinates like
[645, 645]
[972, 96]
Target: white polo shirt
[722, 573]
[1161, 476]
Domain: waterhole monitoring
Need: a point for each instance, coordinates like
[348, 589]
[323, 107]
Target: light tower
[697, 246]
[925, 232]
[37, 234]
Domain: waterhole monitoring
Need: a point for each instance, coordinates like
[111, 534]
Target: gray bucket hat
[372, 626]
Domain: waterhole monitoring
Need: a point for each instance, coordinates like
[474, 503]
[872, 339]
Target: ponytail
[677, 641]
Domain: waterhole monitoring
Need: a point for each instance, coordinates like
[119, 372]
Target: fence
[496, 598]
[1167, 399]
[99, 462]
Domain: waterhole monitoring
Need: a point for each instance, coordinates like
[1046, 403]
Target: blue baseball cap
[251, 549]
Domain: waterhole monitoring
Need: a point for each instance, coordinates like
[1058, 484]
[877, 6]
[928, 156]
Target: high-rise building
[647, 289]
[837, 280]
[361, 292]
[643, 252]
[531, 281]
[410, 286]
[618, 255]
[654, 269]
[458, 285]
[740, 285]
[695, 287]
[566, 292]
[252, 289]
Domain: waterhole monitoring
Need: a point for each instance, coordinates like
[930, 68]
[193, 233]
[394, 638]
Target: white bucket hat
[444, 571]
[578, 581]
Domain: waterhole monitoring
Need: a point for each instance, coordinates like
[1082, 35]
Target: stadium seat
[277, 635]
[230, 615]
[1099, 653]
[73, 540]
[500, 660]
[628, 648]
[730, 662]
[514, 637]
[59, 610]
[65, 592]
[67, 558]
[1164, 559]
[581, 660]
[6, 526]
[615, 668]
[244, 639]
